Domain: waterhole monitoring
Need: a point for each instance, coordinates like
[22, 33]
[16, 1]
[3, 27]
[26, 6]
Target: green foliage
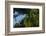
[33, 18]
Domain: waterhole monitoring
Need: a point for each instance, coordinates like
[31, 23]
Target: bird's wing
[20, 18]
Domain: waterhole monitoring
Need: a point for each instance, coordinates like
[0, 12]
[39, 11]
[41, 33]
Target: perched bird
[17, 18]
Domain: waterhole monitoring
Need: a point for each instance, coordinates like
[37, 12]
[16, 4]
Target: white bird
[18, 19]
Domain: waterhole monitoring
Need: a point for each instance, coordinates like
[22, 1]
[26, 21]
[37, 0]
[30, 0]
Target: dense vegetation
[33, 18]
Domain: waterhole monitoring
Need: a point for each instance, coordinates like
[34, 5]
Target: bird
[17, 18]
